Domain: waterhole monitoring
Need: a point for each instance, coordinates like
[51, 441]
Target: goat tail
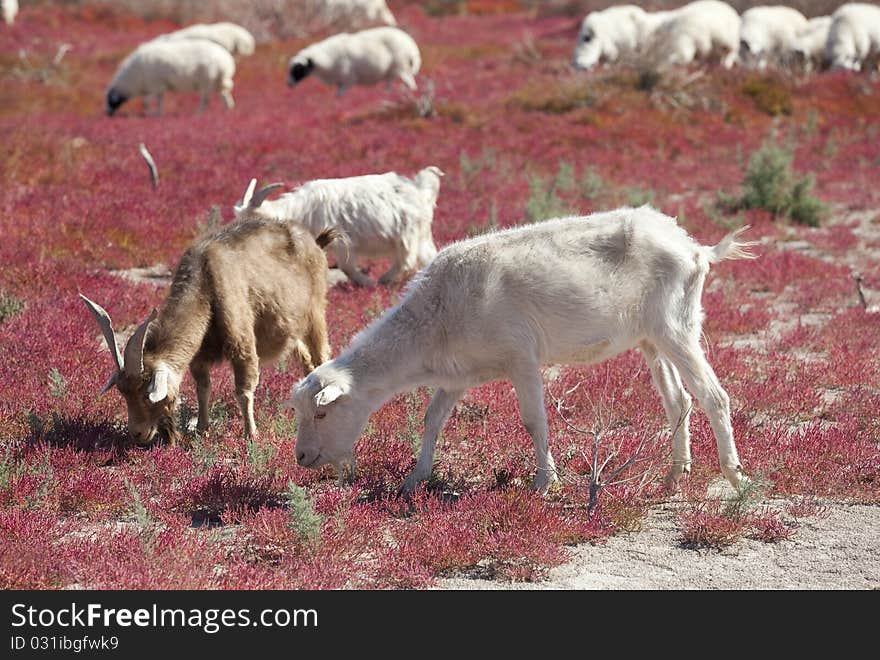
[327, 236]
[730, 248]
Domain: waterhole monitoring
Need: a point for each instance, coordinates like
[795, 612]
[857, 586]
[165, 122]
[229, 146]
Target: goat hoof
[544, 480]
[673, 478]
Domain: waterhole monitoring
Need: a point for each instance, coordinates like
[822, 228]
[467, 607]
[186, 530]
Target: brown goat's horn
[261, 195]
[103, 319]
[134, 349]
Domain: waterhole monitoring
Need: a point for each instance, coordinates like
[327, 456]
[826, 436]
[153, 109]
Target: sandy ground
[841, 551]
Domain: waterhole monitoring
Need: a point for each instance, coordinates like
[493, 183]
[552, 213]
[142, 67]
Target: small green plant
[57, 383]
[591, 184]
[635, 196]
[9, 306]
[543, 202]
[769, 183]
[204, 454]
[303, 518]
[259, 456]
[471, 167]
[148, 528]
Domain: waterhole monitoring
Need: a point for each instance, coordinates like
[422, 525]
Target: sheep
[606, 35]
[232, 37]
[769, 32]
[246, 293]
[186, 65]
[854, 37]
[354, 13]
[698, 30]
[360, 58]
[10, 10]
[380, 214]
[569, 290]
[810, 43]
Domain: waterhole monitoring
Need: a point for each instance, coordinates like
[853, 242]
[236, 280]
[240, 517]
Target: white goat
[606, 35]
[383, 215]
[159, 66]
[854, 37]
[697, 31]
[570, 290]
[360, 58]
[770, 32]
[10, 10]
[234, 38]
[810, 44]
[355, 13]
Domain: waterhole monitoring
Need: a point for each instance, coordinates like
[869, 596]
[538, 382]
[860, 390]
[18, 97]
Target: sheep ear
[328, 395]
[158, 388]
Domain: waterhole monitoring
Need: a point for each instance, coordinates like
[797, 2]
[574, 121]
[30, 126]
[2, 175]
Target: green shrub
[770, 183]
[303, 518]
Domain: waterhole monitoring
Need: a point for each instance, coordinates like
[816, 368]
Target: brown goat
[247, 294]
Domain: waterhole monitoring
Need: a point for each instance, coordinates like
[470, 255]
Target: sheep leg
[227, 98]
[346, 264]
[316, 340]
[435, 418]
[246, 369]
[202, 375]
[530, 394]
[699, 377]
[677, 404]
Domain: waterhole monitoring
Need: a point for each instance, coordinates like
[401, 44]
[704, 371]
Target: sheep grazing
[247, 294]
[382, 215]
[356, 13]
[9, 9]
[810, 43]
[854, 37]
[697, 31]
[232, 37]
[770, 33]
[360, 58]
[185, 65]
[606, 35]
[570, 290]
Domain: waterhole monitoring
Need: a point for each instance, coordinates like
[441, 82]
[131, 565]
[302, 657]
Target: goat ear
[158, 387]
[328, 395]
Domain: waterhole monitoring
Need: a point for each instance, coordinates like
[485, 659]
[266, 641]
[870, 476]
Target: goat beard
[167, 429]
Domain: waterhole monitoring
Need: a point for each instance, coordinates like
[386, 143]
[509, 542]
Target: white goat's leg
[346, 263]
[202, 375]
[677, 404]
[730, 59]
[699, 377]
[530, 394]
[226, 95]
[435, 418]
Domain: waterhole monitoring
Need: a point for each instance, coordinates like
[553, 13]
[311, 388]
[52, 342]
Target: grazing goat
[854, 37]
[246, 293]
[810, 43]
[380, 215]
[606, 35]
[770, 32]
[570, 290]
[697, 31]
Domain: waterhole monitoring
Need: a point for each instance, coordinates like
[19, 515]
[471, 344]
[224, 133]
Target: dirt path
[841, 551]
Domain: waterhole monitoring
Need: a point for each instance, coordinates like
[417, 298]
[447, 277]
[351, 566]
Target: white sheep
[810, 44]
[854, 37]
[10, 10]
[770, 32]
[382, 215]
[606, 35]
[697, 31]
[360, 58]
[234, 38]
[159, 66]
[355, 13]
[499, 306]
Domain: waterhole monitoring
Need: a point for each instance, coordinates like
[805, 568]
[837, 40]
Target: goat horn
[103, 319]
[151, 164]
[134, 349]
[248, 194]
[263, 193]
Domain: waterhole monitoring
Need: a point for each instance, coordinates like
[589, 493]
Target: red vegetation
[786, 334]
